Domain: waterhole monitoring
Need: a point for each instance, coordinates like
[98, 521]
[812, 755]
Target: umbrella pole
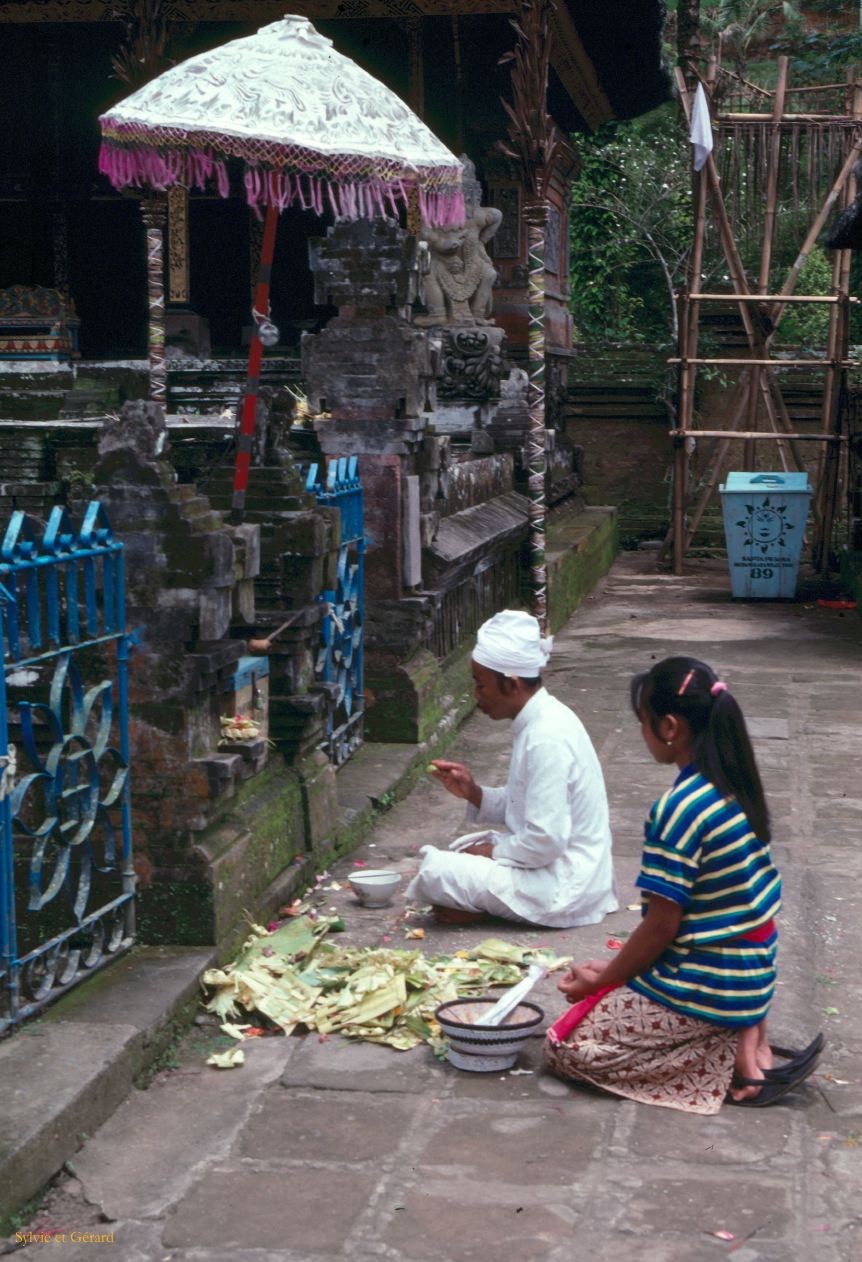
[255, 359]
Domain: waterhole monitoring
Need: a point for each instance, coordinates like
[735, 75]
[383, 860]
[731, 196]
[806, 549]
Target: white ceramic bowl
[485, 1049]
[375, 887]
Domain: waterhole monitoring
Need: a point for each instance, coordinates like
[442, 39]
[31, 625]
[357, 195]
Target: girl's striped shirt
[701, 852]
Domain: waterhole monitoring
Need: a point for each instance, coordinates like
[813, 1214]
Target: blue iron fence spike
[19, 533]
[96, 528]
[59, 537]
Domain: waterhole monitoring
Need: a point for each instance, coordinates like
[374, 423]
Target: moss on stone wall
[580, 551]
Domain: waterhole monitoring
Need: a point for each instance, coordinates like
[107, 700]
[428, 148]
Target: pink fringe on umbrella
[348, 198]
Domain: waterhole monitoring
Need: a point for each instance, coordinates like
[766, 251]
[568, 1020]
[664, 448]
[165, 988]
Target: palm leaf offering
[294, 978]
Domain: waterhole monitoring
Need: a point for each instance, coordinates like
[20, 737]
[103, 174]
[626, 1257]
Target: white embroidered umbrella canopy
[310, 126]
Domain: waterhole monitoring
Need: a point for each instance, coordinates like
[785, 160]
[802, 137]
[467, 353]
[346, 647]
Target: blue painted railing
[64, 794]
[339, 658]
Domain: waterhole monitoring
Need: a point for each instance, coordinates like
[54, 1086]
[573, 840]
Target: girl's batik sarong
[633, 1047]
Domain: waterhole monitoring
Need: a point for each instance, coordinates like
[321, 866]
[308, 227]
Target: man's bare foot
[455, 915]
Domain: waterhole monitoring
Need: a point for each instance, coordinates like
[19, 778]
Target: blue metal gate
[66, 887]
[339, 659]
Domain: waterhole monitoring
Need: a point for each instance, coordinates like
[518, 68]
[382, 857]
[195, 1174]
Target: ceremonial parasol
[308, 126]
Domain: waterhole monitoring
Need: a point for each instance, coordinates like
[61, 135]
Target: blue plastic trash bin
[764, 521]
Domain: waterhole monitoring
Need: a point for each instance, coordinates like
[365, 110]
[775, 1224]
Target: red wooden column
[255, 359]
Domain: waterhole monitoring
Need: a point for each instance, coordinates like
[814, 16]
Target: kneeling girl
[678, 1017]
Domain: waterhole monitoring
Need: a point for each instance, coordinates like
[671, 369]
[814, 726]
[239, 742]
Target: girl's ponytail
[722, 749]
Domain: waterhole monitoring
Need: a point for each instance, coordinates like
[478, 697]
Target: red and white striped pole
[245, 438]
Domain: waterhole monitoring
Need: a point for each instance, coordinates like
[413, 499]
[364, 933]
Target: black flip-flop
[794, 1057]
[795, 1060]
[771, 1089]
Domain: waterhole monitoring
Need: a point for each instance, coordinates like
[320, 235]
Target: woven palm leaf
[532, 143]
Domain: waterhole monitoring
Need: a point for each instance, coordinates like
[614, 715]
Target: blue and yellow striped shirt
[700, 852]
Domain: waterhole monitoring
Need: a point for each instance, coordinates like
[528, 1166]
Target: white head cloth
[512, 643]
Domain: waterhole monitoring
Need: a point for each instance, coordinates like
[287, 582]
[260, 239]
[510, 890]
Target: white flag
[700, 133]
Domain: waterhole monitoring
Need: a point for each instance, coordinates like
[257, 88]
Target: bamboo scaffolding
[774, 402]
[761, 383]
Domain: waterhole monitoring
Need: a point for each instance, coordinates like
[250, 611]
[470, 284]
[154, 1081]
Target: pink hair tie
[717, 687]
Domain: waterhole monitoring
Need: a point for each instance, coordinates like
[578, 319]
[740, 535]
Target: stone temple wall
[228, 614]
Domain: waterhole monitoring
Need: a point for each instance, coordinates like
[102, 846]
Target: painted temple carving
[461, 278]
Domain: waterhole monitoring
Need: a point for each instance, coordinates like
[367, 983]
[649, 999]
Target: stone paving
[316, 1151]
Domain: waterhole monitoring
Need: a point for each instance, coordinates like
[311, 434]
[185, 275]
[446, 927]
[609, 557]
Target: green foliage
[631, 229]
[825, 46]
[806, 325]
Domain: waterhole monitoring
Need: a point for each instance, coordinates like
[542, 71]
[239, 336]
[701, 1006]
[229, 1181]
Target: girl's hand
[457, 780]
[653, 935]
[583, 980]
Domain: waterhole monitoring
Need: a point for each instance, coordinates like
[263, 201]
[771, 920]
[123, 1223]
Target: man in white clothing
[549, 862]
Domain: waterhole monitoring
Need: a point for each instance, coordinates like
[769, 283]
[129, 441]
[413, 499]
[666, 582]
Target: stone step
[80, 1060]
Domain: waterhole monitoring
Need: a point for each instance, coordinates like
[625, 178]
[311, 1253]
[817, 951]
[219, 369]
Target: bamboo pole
[749, 458]
[768, 363]
[833, 397]
[680, 462]
[757, 435]
[736, 117]
[689, 335]
[784, 298]
[772, 177]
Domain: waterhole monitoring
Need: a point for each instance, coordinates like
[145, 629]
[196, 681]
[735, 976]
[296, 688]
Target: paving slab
[468, 1223]
[326, 1126]
[180, 1124]
[348, 1065]
[716, 1199]
[312, 1211]
[516, 1144]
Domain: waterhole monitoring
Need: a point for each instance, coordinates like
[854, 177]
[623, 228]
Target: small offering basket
[488, 1048]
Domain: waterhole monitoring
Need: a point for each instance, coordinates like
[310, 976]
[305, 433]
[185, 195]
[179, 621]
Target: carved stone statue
[461, 276]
